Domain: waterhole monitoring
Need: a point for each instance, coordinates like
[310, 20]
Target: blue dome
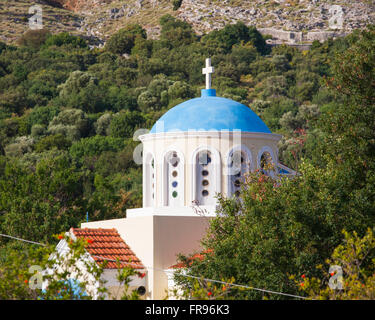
[210, 113]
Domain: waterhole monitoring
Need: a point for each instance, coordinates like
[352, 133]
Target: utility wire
[33, 242]
[167, 271]
[200, 278]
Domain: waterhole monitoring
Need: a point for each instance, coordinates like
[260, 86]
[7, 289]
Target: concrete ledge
[203, 211]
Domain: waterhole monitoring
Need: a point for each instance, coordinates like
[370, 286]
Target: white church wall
[77, 272]
[157, 240]
[175, 292]
[189, 142]
[116, 289]
[138, 233]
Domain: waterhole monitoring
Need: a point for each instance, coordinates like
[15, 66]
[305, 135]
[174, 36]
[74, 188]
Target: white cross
[208, 71]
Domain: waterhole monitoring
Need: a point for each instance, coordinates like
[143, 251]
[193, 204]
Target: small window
[173, 185]
[266, 161]
[205, 170]
[238, 166]
[149, 191]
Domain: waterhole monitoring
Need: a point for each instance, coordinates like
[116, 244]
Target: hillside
[14, 17]
[98, 19]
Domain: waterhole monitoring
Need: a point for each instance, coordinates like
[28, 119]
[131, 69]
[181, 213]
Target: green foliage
[81, 91]
[2, 46]
[31, 272]
[103, 123]
[123, 40]
[20, 146]
[19, 280]
[233, 34]
[49, 197]
[65, 38]
[37, 130]
[176, 4]
[201, 289]
[57, 94]
[95, 146]
[54, 141]
[282, 227]
[71, 123]
[175, 32]
[124, 124]
[34, 38]
[356, 279]
[124, 277]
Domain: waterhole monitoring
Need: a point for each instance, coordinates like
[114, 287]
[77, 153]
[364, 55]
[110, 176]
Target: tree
[350, 273]
[94, 146]
[64, 38]
[103, 123]
[176, 4]
[49, 196]
[124, 124]
[281, 227]
[123, 40]
[233, 34]
[71, 123]
[32, 272]
[175, 32]
[34, 38]
[54, 141]
[81, 91]
[156, 96]
[349, 124]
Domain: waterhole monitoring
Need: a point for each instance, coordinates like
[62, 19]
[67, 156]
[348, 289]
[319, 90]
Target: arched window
[239, 163]
[149, 181]
[206, 176]
[266, 161]
[173, 179]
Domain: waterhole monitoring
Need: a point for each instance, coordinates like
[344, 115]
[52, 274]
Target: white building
[197, 149]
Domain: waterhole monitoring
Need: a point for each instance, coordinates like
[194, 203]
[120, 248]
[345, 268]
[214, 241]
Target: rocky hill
[291, 21]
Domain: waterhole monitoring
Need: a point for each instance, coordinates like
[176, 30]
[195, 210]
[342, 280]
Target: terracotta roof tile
[201, 256]
[107, 244]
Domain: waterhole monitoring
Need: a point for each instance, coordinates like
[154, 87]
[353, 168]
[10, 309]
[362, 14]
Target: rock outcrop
[286, 21]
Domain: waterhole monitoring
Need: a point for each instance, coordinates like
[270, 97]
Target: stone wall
[292, 37]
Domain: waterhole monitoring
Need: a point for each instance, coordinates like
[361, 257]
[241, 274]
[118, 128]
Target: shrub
[21, 146]
[37, 130]
[176, 4]
[55, 141]
[95, 146]
[71, 123]
[123, 40]
[103, 123]
[33, 38]
[124, 124]
[64, 38]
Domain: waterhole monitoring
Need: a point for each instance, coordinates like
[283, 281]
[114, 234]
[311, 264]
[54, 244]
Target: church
[197, 149]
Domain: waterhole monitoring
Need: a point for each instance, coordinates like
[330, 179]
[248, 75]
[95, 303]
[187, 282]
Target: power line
[166, 271]
[33, 242]
[209, 280]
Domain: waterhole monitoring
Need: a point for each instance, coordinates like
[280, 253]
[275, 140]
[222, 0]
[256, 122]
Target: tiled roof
[107, 244]
[201, 256]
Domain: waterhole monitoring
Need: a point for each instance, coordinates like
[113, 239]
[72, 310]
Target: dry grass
[14, 19]
[14, 14]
